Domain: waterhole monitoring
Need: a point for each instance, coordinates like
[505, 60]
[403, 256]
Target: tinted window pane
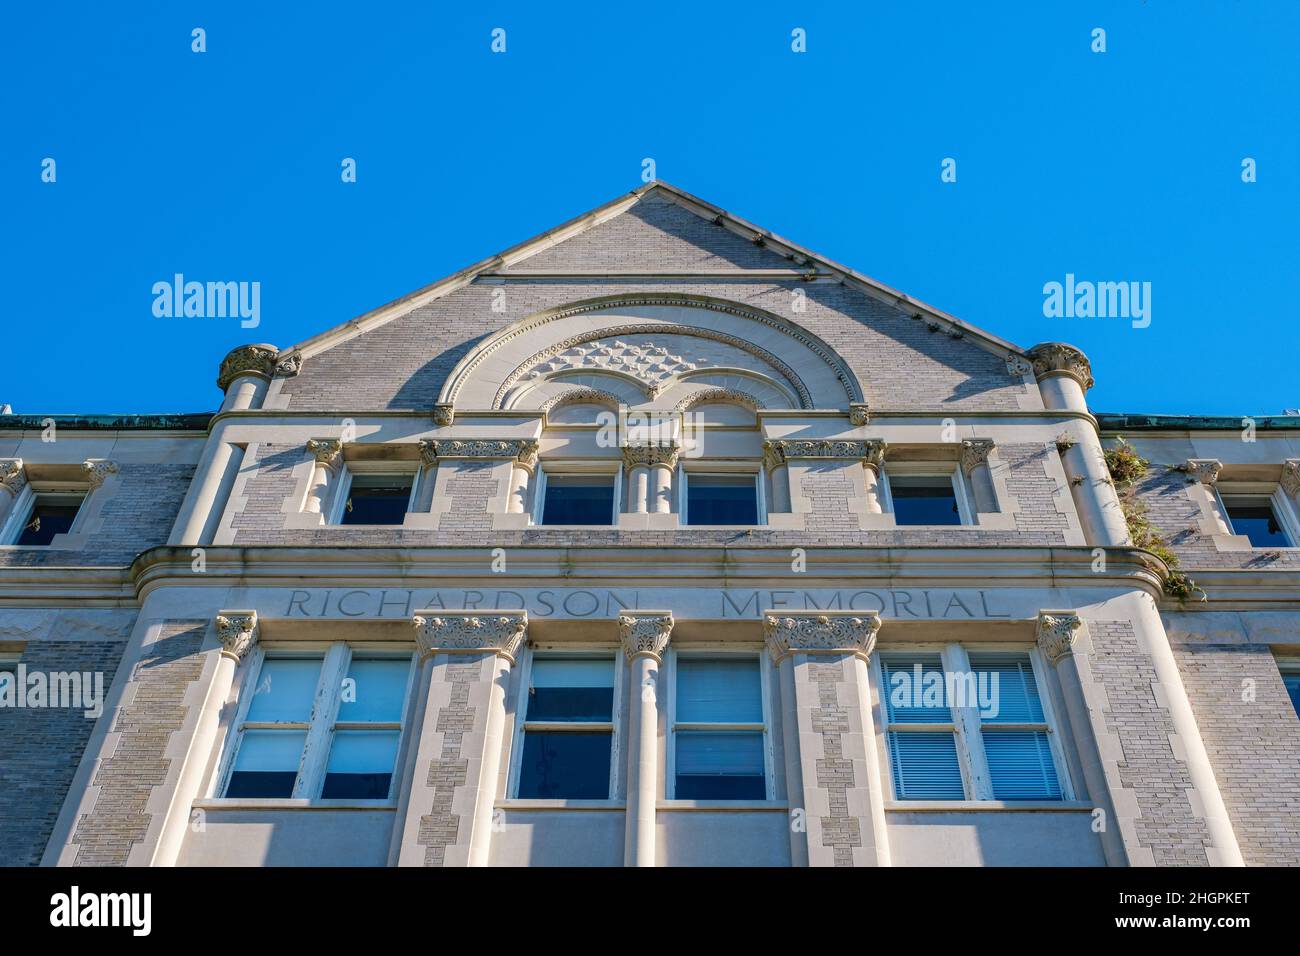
[915, 690]
[377, 499]
[267, 763]
[578, 499]
[360, 765]
[285, 691]
[721, 499]
[924, 500]
[379, 689]
[1254, 517]
[1020, 766]
[1004, 690]
[925, 766]
[571, 689]
[565, 766]
[1292, 682]
[719, 766]
[715, 691]
[50, 516]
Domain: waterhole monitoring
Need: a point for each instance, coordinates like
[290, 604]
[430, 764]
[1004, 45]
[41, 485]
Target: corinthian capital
[831, 632]
[1290, 477]
[13, 478]
[523, 450]
[444, 413]
[1204, 470]
[651, 454]
[1058, 357]
[97, 470]
[975, 452]
[645, 633]
[1056, 630]
[247, 360]
[859, 414]
[237, 631]
[870, 451]
[324, 450]
[464, 632]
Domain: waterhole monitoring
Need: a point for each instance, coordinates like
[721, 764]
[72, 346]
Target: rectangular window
[374, 499]
[719, 729]
[568, 730]
[967, 727]
[721, 499]
[924, 500]
[50, 514]
[345, 708]
[1256, 517]
[578, 499]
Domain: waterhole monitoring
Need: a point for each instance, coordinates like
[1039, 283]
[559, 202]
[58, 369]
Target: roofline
[184, 421]
[1131, 422]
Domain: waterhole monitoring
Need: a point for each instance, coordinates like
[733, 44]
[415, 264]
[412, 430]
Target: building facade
[656, 540]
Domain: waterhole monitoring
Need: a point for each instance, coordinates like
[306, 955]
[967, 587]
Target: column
[838, 772]
[1055, 636]
[453, 776]
[245, 373]
[1064, 375]
[663, 462]
[645, 637]
[1291, 481]
[975, 466]
[13, 479]
[636, 460]
[873, 462]
[1206, 471]
[428, 476]
[326, 452]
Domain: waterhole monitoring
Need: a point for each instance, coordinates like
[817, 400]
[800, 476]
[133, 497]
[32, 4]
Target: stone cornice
[846, 632]
[651, 454]
[1055, 632]
[97, 471]
[645, 633]
[522, 450]
[238, 632]
[975, 452]
[1204, 470]
[256, 360]
[463, 632]
[1059, 358]
[13, 478]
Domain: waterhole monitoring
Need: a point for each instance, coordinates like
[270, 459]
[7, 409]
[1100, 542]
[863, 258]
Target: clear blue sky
[225, 165]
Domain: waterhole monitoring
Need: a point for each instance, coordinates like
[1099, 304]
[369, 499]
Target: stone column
[1055, 635]
[873, 462]
[244, 375]
[663, 462]
[453, 775]
[636, 460]
[1291, 481]
[428, 475]
[645, 637]
[1064, 375]
[1206, 471]
[839, 771]
[13, 479]
[326, 452]
[521, 475]
[975, 466]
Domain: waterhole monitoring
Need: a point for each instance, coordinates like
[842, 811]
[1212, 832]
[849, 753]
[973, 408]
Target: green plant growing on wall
[1127, 468]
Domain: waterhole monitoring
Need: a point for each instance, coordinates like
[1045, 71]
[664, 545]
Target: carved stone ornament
[1290, 477]
[651, 454]
[1204, 470]
[1019, 366]
[645, 633]
[975, 452]
[870, 450]
[290, 365]
[247, 360]
[844, 633]
[1056, 630]
[460, 632]
[1058, 357]
[523, 450]
[443, 414]
[324, 450]
[859, 414]
[97, 470]
[237, 631]
[13, 478]
[733, 395]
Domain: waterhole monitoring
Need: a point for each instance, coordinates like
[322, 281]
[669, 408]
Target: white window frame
[929, 469]
[719, 470]
[575, 469]
[343, 486]
[21, 512]
[335, 659]
[1286, 666]
[523, 725]
[966, 725]
[715, 652]
[1277, 499]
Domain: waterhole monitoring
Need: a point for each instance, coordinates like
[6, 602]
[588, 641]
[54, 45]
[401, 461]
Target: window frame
[335, 658]
[717, 652]
[1288, 667]
[565, 469]
[719, 470]
[928, 469]
[966, 725]
[343, 490]
[21, 512]
[577, 651]
[1278, 501]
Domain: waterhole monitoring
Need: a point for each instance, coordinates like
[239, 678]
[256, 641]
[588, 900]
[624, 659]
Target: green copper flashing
[191, 421]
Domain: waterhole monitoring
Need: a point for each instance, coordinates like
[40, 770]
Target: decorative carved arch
[584, 395]
[733, 396]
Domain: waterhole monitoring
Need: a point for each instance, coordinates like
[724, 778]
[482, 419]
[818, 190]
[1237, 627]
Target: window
[568, 730]
[325, 725]
[721, 499]
[371, 498]
[48, 514]
[1258, 517]
[1290, 680]
[967, 727]
[719, 729]
[586, 499]
[924, 499]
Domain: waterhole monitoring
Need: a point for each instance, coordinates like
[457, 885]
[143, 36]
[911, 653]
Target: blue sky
[1115, 166]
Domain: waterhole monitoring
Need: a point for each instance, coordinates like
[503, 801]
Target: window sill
[538, 804]
[722, 806]
[271, 803]
[981, 806]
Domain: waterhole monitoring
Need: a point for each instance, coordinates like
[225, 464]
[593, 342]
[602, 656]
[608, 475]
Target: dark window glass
[360, 765]
[721, 499]
[579, 499]
[720, 766]
[51, 515]
[1292, 682]
[1253, 516]
[924, 500]
[267, 763]
[572, 765]
[377, 499]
